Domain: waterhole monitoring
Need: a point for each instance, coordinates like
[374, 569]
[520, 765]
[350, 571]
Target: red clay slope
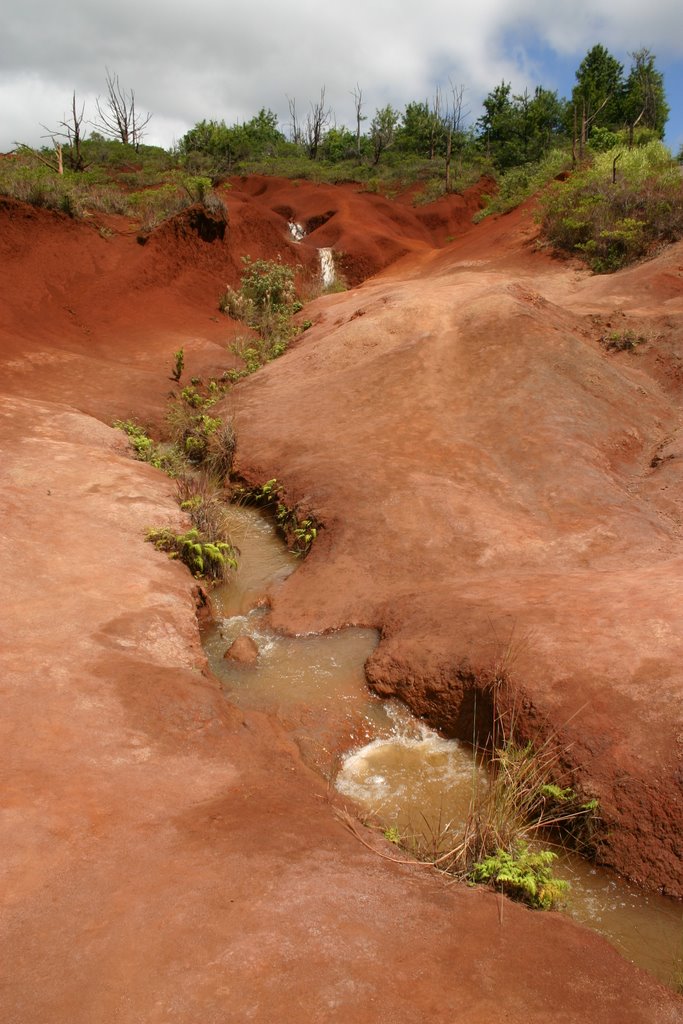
[166, 859]
[495, 499]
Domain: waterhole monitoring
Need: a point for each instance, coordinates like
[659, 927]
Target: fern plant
[204, 558]
[300, 533]
[522, 874]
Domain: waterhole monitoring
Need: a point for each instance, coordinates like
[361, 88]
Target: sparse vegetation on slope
[300, 531]
[617, 210]
[266, 302]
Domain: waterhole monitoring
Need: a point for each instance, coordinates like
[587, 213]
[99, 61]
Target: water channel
[392, 766]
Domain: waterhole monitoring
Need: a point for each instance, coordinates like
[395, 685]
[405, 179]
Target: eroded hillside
[498, 491]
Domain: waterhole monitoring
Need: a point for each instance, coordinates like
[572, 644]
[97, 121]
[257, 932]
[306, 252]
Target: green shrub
[265, 302]
[523, 875]
[622, 341]
[204, 558]
[617, 210]
[147, 450]
[201, 438]
[178, 365]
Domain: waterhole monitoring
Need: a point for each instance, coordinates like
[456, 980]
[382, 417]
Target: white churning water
[327, 271]
[296, 230]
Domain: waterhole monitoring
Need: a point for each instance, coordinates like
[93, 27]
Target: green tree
[383, 130]
[421, 130]
[544, 116]
[499, 128]
[598, 96]
[261, 135]
[338, 144]
[255, 139]
[645, 101]
[209, 137]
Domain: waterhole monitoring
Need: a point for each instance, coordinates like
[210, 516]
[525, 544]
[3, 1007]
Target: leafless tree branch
[118, 118]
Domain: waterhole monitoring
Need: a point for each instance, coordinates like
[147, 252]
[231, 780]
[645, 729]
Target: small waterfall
[327, 271]
[296, 230]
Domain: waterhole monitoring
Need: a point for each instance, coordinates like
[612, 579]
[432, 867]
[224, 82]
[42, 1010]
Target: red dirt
[169, 859]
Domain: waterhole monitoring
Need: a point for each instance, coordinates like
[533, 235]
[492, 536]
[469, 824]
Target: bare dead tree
[66, 139]
[358, 104]
[118, 118]
[454, 122]
[317, 120]
[295, 133]
[585, 125]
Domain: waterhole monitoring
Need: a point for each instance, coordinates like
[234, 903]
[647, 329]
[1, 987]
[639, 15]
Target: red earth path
[484, 470]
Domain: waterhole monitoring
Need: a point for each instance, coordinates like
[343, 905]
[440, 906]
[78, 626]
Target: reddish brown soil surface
[479, 463]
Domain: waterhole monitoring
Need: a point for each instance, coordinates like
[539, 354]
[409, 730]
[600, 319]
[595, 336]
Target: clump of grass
[203, 439]
[220, 450]
[203, 501]
[519, 806]
[622, 341]
[511, 815]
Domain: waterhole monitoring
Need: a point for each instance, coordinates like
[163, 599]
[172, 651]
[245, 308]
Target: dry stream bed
[396, 770]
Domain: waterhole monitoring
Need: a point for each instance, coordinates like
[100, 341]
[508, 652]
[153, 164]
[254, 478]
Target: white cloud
[212, 59]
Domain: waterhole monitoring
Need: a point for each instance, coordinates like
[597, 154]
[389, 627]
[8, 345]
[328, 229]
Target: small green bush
[147, 450]
[201, 438]
[265, 302]
[523, 875]
[204, 558]
[517, 184]
[622, 341]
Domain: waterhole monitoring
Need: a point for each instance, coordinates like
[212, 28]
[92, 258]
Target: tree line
[606, 106]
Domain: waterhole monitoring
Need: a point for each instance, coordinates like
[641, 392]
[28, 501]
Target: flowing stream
[400, 772]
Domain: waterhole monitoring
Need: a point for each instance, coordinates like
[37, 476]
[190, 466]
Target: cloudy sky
[217, 59]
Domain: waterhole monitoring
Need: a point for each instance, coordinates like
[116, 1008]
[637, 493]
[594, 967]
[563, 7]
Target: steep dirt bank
[167, 859]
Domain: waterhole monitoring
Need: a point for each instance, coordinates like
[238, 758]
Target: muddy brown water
[400, 772]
